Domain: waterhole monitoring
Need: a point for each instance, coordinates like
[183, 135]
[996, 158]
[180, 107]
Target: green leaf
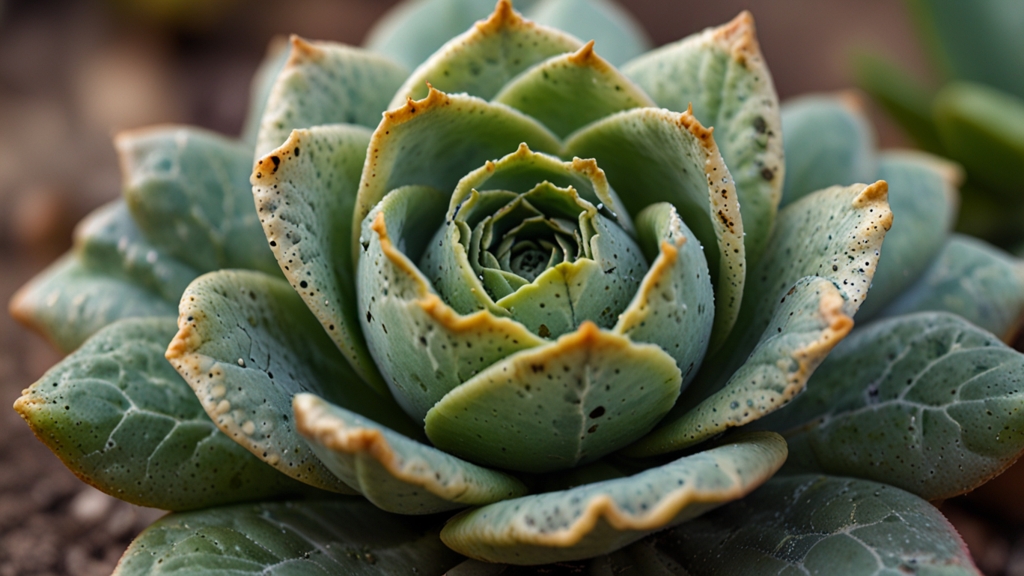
[327, 83]
[926, 402]
[653, 155]
[817, 525]
[246, 344]
[923, 203]
[598, 518]
[119, 417]
[971, 279]
[828, 141]
[188, 191]
[262, 83]
[978, 41]
[488, 55]
[438, 140]
[68, 302]
[569, 91]
[557, 406]
[423, 347]
[721, 73]
[395, 473]
[807, 324]
[983, 129]
[901, 95]
[305, 193]
[617, 33]
[304, 537]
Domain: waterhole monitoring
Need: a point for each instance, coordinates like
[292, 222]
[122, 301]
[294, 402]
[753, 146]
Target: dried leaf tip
[504, 16]
[585, 55]
[302, 51]
[689, 121]
[879, 191]
[739, 37]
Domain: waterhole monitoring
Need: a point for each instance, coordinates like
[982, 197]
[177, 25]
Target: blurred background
[75, 72]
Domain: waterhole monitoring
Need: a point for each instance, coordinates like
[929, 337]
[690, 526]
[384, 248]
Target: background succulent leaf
[188, 191]
[901, 95]
[722, 74]
[262, 83]
[974, 280]
[814, 525]
[602, 517]
[345, 536]
[557, 406]
[305, 192]
[120, 417]
[619, 37]
[980, 42]
[246, 344]
[482, 60]
[423, 347]
[923, 204]
[569, 91]
[395, 473]
[675, 302]
[983, 129]
[327, 83]
[926, 402]
[652, 155]
[828, 141]
[806, 325]
[438, 140]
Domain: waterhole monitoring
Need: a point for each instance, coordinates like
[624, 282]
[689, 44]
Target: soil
[73, 72]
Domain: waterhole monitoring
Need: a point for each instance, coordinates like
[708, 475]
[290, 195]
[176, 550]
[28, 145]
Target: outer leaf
[327, 83]
[925, 402]
[483, 59]
[188, 191]
[263, 82]
[396, 473]
[120, 418]
[438, 140]
[653, 155]
[807, 324]
[923, 203]
[974, 280]
[828, 141]
[556, 406]
[306, 537]
[618, 35]
[599, 518]
[305, 193]
[815, 524]
[246, 344]
[423, 347]
[722, 74]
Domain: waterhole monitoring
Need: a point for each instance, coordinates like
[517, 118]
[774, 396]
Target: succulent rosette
[542, 291]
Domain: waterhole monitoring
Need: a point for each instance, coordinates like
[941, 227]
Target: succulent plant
[529, 294]
[976, 116]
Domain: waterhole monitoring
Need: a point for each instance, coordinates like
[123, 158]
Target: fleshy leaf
[263, 82]
[807, 324]
[926, 402]
[653, 155]
[598, 518]
[423, 347]
[828, 141]
[818, 525]
[395, 473]
[923, 203]
[68, 302]
[673, 307]
[438, 140]
[327, 83]
[901, 95]
[974, 280]
[120, 418]
[246, 344]
[570, 91]
[188, 191]
[721, 73]
[345, 536]
[305, 193]
[557, 406]
[618, 35]
[483, 59]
